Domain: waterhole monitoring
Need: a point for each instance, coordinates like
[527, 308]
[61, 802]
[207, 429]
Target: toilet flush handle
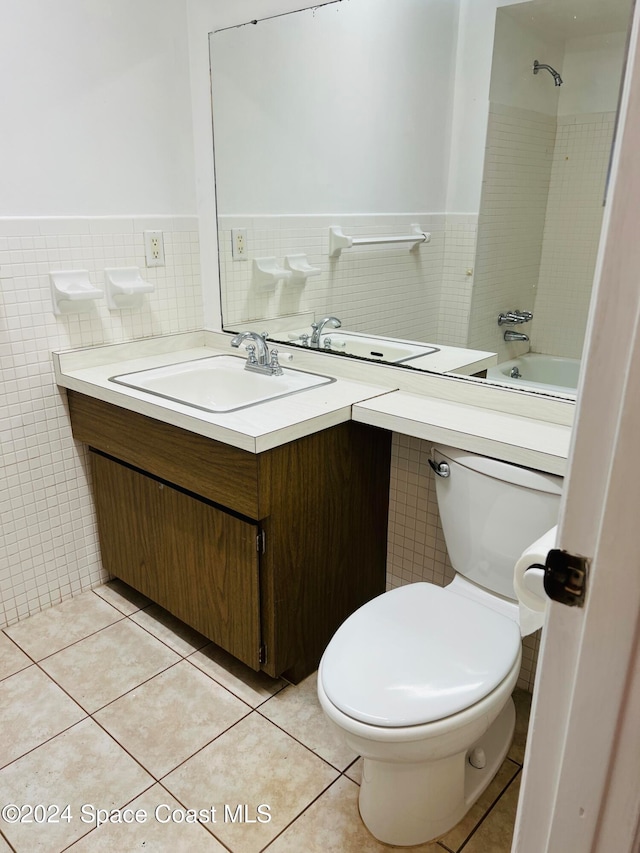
[441, 468]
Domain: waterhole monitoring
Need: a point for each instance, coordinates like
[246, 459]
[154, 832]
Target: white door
[581, 782]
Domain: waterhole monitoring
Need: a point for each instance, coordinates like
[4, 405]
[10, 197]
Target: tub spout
[510, 335]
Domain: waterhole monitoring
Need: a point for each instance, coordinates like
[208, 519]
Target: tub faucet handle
[514, 317]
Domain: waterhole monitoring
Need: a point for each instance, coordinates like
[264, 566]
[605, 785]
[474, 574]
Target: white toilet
[419, 680]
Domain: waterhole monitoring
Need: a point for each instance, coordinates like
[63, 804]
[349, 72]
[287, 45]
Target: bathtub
[549, 373]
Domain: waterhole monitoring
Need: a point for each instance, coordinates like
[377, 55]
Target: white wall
[476, 28]
[205, 16]
[342, 109]
[95, 108]
[513, 82]
[593, 70]
[96, 127]
[467, 123]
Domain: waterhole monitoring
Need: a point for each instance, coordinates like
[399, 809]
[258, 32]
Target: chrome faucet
[510, 335]
[331, 322]
[264, 362]
[514, 318]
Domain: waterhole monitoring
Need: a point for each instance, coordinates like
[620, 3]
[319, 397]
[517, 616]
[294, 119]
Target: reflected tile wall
[517, 174]
[572, 232]
[385, 290]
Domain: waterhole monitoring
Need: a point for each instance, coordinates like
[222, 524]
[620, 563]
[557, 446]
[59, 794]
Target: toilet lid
[417, 654]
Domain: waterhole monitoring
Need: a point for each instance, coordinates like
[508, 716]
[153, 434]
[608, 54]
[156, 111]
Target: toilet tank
[490, 512]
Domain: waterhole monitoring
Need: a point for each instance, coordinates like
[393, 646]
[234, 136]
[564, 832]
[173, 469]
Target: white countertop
[465, 362]
[512, 438]
[499, 423]
[256, 428]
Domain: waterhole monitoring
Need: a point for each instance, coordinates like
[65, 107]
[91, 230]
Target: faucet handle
[251, 353]
[274, 364]
[514, 317]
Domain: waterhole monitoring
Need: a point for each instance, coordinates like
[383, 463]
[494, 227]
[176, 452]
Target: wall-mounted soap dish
[300, 267]
[267, 273]
[125, 287]
[72, 292]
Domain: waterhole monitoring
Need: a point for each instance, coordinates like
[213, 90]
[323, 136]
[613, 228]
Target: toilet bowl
[418, 681]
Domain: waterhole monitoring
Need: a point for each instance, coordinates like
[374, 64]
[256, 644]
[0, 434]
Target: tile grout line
[298, 816]
[308, 748]
[160, 779]
[6, 840]
[123, 616]
[257, 709]
[228, 689]
[490, 809]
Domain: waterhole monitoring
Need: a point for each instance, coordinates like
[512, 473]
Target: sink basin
[218, 383]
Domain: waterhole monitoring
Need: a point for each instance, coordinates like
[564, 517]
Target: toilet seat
[417, 654]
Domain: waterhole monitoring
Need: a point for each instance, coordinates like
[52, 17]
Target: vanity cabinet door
[196, 560]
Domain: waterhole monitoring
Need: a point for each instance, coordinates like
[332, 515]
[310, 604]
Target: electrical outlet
[154, 248]
[239, 244]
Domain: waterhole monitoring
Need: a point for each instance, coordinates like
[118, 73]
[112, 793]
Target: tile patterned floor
[107, 702]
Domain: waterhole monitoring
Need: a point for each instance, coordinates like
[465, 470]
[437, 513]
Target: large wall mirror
[347, 133]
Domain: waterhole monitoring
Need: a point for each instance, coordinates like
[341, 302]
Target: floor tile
[254, 763]
[332, 824]
[174, 633]
[250, 686]
[157, 833]
[60, 626]
[522, 701]
[101, 668]
[12, 659]
[82, 766]
[495, 833]
[296, 709]
[455, 838]
[124, 597]
[32, 709]
[172, 716]
[354, 772]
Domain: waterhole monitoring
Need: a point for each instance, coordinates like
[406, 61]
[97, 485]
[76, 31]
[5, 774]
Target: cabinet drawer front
[195, 560]
[223, 474]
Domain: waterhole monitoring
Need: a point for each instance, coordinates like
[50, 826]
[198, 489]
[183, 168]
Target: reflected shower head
[557, 79]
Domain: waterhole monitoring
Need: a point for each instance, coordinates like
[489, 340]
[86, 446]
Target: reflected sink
[364, 346]
[218, 383]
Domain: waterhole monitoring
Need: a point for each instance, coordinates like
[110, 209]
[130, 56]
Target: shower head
[557, 79]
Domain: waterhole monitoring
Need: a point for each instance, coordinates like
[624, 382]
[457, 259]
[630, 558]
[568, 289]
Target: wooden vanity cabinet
[265, 554]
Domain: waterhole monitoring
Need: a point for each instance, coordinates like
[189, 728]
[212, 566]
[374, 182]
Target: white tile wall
[48, 544]
[378, 289]
[571, 233]
[517, 174]
[539, 227]
[457, 279]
